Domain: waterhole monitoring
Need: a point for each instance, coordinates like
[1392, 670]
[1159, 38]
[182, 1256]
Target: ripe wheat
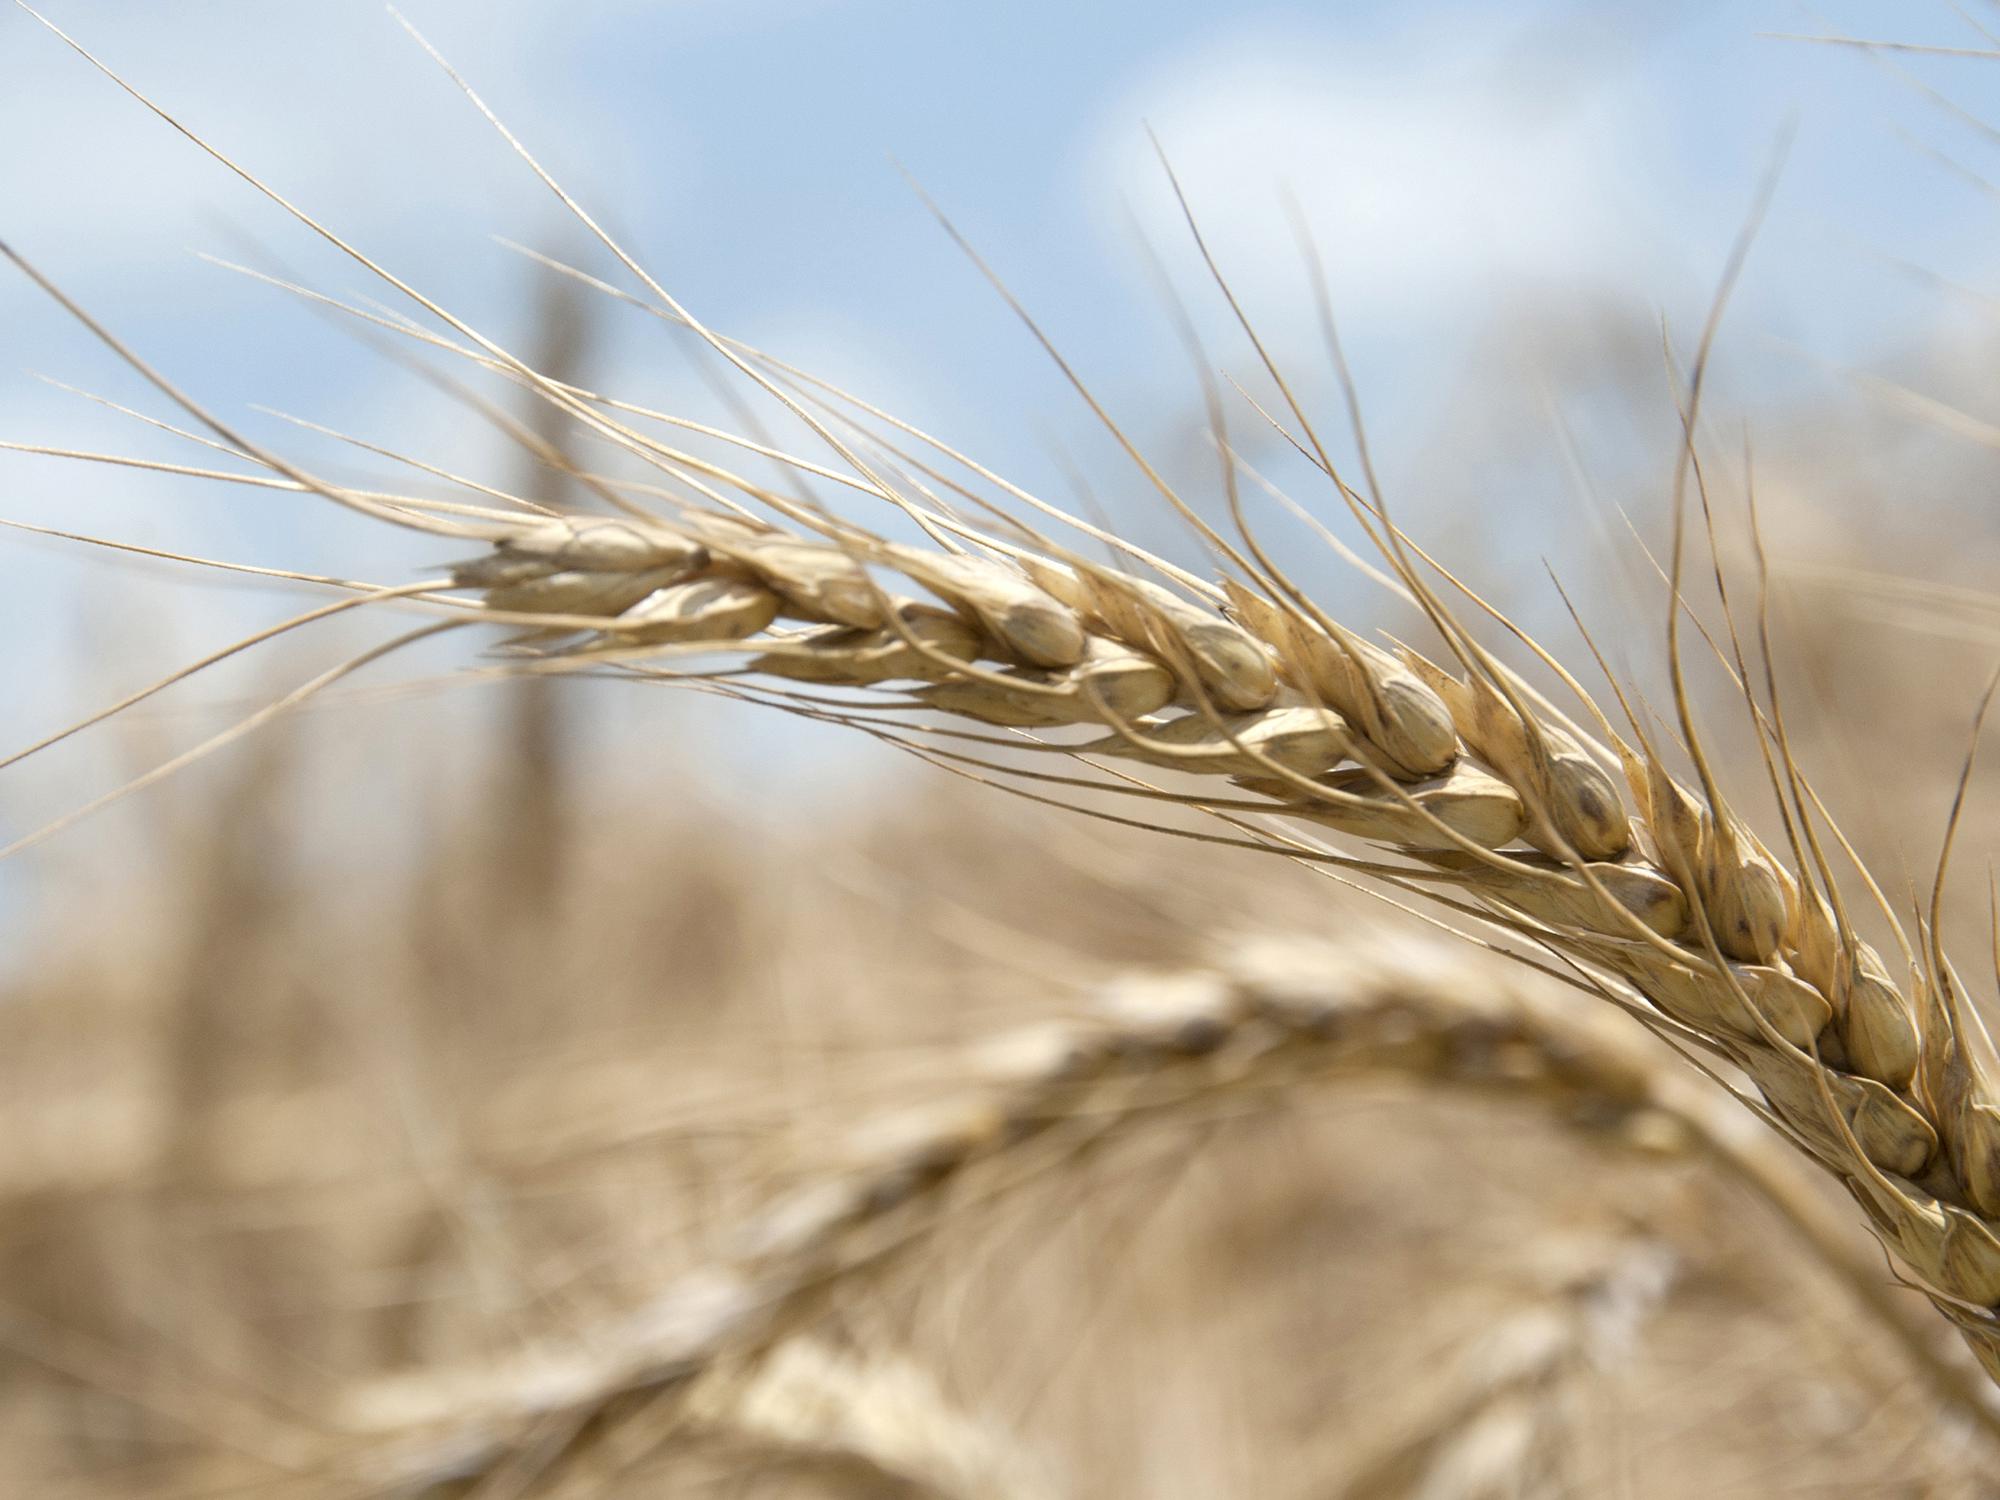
[1569, 834]
[1267, 1022]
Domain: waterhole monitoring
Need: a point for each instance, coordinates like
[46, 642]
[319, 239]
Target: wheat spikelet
[1269, 1019]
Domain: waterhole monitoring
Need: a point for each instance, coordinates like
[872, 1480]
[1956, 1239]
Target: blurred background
[271, 1035]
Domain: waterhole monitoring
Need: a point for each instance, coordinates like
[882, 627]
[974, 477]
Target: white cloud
[1430, 175]
[333, 106]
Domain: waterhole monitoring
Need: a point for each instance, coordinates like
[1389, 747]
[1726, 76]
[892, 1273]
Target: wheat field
[1053, 1004]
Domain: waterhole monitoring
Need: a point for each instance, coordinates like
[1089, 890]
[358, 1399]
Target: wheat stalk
[1268, 1020]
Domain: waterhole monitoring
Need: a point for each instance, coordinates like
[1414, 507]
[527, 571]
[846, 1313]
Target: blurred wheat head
[1025, 648]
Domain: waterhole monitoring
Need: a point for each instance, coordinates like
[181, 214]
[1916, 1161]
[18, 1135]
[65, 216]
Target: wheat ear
[1680, 905]
[1269, 1020]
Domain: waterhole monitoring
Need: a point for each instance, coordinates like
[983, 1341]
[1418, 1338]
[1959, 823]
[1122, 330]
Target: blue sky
[1466, 169]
